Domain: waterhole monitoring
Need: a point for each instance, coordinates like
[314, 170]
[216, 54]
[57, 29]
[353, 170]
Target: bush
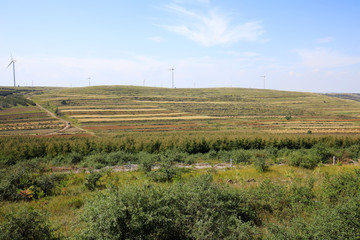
[175, 156]
[339, 222]
[96, 160]
[241, 156]
[198, 209]
[301, 194]
[27, 223]
[304, 158]
[117, 158]
[75, 158]
[260, 163]
[147, 161]
[341, 187]
[166, 172]
[91, 180]
[270, 197]
[27, 182]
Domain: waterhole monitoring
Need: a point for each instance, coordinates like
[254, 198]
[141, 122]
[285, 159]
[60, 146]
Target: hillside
[113, 110]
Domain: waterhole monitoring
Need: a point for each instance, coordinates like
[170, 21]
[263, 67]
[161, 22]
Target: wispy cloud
[212, 28]
[321, 58]
[157, 39]
[325, 40]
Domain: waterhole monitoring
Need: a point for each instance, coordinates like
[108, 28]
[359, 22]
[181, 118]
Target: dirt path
[134, 167]
[67, 123]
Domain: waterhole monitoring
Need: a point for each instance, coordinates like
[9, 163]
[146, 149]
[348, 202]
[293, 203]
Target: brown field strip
[23, 116]
[115, 127]
[124, 105]
[19, 110]
[189, 102]
[314, 131]
[128, 115]
[114, 110]
[95, 120]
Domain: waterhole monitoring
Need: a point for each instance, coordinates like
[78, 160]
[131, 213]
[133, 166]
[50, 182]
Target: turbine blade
[10, 64]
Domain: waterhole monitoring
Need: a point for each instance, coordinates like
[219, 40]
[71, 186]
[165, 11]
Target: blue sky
[299, 45]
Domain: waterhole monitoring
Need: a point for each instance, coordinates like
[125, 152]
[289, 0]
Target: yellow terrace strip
[145, 119]
[189, 102]
[114, 110]
[127, 115]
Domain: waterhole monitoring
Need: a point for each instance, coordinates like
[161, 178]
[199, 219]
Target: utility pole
[264, 80]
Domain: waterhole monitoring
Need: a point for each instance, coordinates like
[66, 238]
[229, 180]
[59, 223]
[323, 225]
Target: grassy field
[20, 116]
[113, 110]
[282, 144]
[68, 205]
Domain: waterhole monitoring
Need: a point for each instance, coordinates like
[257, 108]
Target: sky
[298, 45]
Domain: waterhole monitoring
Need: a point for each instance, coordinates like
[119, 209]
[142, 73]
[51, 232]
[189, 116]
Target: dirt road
[67, 123]
[134, 167]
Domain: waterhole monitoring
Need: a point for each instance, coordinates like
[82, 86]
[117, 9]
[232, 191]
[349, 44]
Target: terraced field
[114, 110]
[27, 120]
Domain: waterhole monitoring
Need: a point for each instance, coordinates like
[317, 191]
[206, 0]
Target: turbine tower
[172, 76]
[13, 64]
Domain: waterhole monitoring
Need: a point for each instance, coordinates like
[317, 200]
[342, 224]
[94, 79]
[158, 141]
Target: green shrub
[304, 158]
[260, 163]
[29, 180]
[198, 209]
[270, 197]
[353, 151]
[147, 161]
[75, 158]
[241, 156]
[96, 160]
[117, 158]
[322, 152]
[166, 172]
[339, 222]
[27, 223]
[91, 179]
[301, 194]
[340, 187]
[175, 155]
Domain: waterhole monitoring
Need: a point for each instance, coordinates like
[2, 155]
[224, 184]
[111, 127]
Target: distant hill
[119, 110]
[350, 96]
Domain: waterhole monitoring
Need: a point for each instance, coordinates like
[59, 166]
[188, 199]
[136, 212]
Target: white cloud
[212, 28]
[325, 40]
[321, 58]
[157, 39]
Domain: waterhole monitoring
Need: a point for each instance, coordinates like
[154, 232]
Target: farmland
[109, 111]
[157, 163]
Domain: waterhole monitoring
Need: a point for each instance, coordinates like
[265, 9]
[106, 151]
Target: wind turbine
[13, 64]
[172, 76]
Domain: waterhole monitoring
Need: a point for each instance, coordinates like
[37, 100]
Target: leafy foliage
[260, 163]
[27, 181]
[14, 100]
[195, 210]
[91, 180]
[27, 224]
[339, 222]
